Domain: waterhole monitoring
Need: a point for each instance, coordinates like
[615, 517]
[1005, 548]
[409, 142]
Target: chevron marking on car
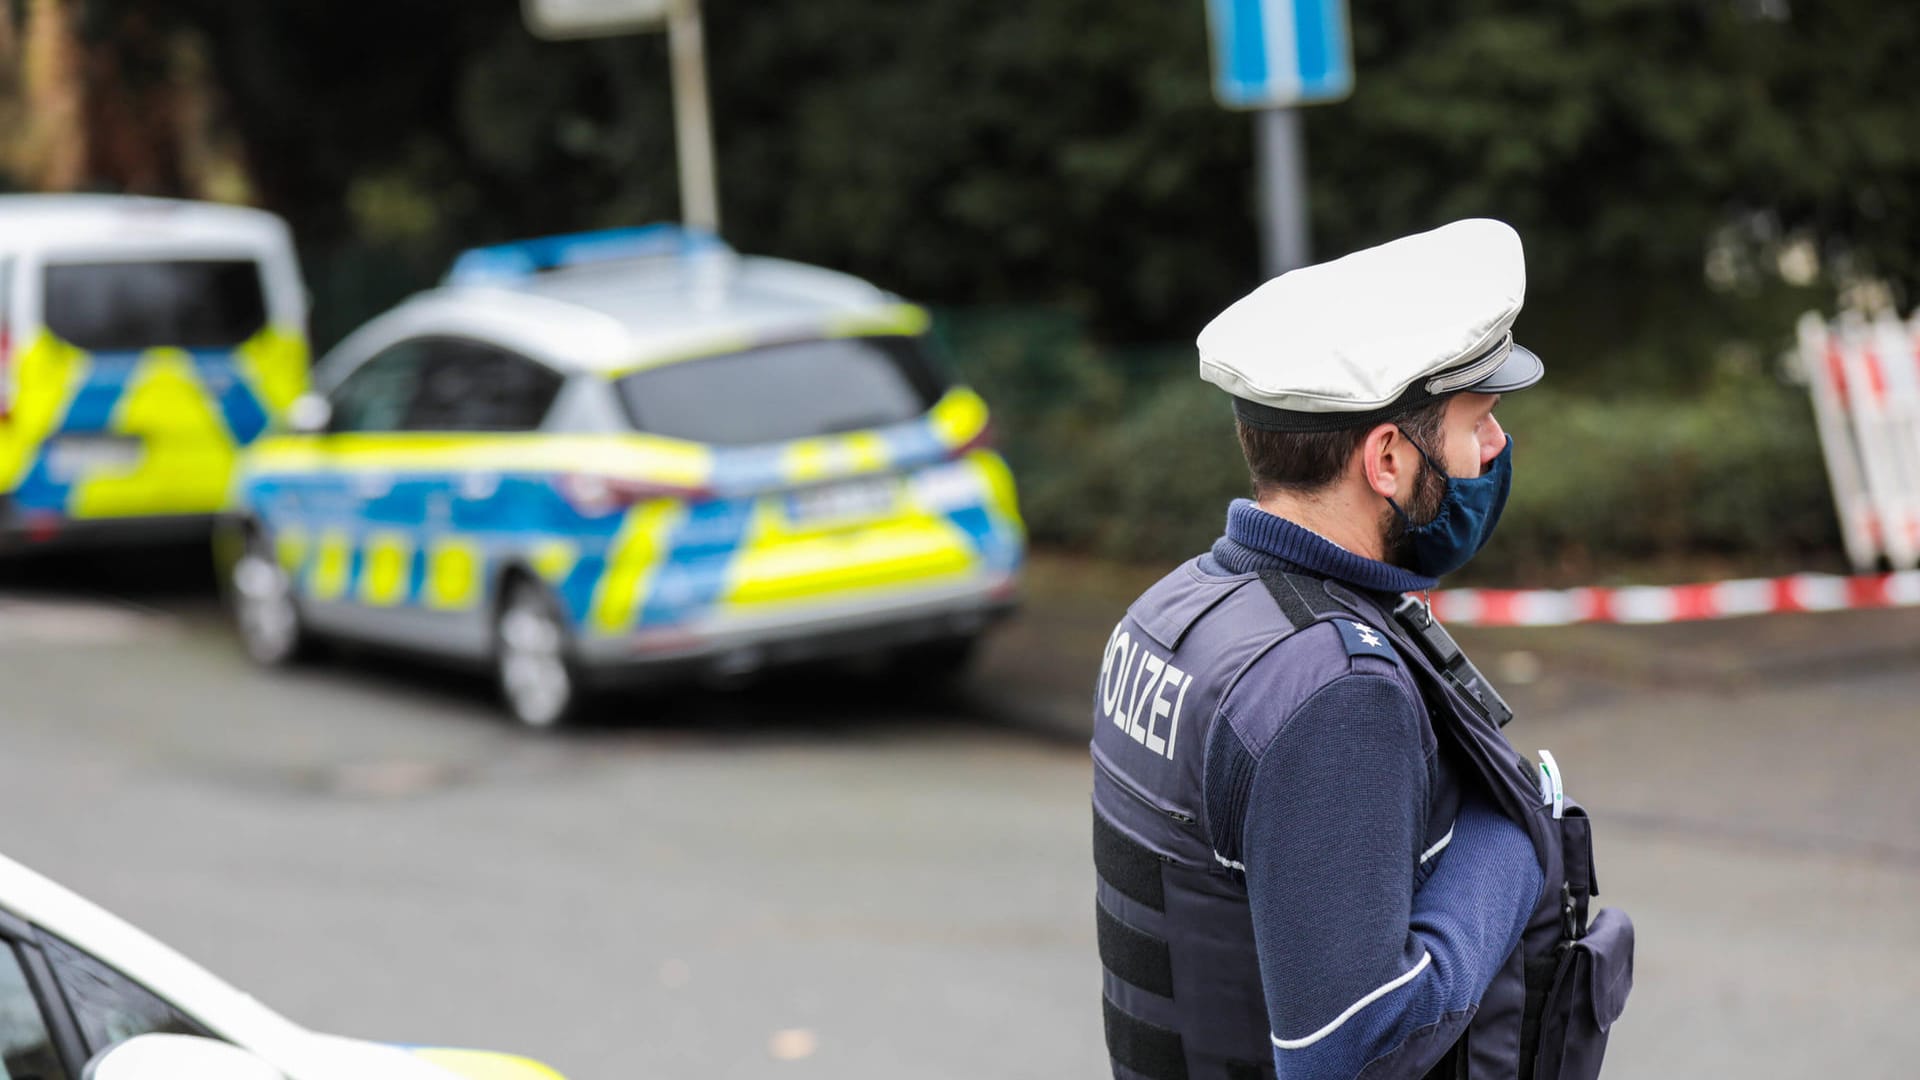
[633, 560]
[213, 396]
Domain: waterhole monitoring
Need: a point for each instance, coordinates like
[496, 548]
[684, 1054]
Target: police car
[85, 994]
[143, 344]
[631, 453]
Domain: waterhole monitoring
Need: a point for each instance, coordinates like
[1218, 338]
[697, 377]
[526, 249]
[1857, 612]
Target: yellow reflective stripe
[1002, 498]
[906, 320]
[290, 546]
[647, 457]
[916, 551]
[485, 1065]
[274, 363]
[866, 451]
[811, 460]
[553, 560]
[717, 345]
[807, 460]
[958, 416]
[632, 559]
[777, 563]
[889, 320]
[47, 373]
[453, 574]
[332, 564]
[386, 568]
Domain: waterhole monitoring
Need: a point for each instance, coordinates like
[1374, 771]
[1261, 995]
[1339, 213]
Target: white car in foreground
[85, 995]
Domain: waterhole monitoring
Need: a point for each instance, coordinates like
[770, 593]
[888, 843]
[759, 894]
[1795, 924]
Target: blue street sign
[1273, 53]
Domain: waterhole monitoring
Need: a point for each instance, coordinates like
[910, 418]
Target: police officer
[1316, 854]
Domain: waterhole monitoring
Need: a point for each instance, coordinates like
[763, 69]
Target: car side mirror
[177, 1057]
[309, 415]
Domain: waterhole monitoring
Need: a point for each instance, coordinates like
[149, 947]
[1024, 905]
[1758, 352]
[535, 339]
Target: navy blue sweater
[1376, 940]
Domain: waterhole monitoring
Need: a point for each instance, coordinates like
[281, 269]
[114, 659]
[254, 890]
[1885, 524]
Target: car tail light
[984, 439]
[596, 494]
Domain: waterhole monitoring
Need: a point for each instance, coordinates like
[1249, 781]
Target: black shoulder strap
[1302, 599]
[1430, 652]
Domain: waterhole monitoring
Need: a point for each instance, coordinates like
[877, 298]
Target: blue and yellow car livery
[143, 345]
[652, 547]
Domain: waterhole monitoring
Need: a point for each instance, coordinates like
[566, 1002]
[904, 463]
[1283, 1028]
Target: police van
[143, 344]
[631, 453]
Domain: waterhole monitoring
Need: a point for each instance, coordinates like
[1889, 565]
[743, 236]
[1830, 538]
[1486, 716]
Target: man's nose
[1493, 440]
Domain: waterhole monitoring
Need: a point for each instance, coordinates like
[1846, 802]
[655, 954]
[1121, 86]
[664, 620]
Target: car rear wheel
[532, 658]
[265, 611]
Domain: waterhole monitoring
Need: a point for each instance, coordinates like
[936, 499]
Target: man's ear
[1388, 461]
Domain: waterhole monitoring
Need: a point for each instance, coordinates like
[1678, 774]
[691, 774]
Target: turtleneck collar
[1257, 540]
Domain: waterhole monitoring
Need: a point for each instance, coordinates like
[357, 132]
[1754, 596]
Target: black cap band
[1516, 369]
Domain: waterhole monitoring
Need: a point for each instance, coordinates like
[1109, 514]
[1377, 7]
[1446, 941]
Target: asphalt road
[816, 878]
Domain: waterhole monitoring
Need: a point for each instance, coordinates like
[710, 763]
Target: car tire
[266, 613]
[539, 682]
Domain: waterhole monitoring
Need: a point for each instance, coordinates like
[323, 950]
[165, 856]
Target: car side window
[111, 1008]
[26, 1050]
[377, 395]
[467, 386]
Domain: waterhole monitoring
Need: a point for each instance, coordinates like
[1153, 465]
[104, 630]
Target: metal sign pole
[692, 117]
[1281, 150]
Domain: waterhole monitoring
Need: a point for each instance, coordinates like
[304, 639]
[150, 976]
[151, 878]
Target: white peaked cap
[1382, 330]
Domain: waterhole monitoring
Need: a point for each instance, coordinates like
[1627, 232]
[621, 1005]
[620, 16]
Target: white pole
[692, 118]
[1281, 154]
[1874, 430]
[1894, 351]
[1837, 442]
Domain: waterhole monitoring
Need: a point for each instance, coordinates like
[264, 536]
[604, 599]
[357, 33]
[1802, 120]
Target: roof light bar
[522, 259]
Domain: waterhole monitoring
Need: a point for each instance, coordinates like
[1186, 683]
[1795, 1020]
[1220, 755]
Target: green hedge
[1127, 454]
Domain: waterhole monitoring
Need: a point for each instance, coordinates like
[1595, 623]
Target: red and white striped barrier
[1676, 603]
[1864, 378]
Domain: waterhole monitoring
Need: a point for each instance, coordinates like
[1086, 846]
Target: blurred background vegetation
[1689, 175]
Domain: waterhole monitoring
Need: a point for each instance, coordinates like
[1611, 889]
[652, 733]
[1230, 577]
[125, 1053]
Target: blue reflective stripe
[909, 445]
[747, 468]
[576, 591]
[91, 409]
[38, 490]
[976, 523]
[240, 407]
[416, 574]
[694, 573]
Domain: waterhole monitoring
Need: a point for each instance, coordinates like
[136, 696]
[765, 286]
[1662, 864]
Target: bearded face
[1428, 492]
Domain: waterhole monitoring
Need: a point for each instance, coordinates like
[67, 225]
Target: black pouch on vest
[1591, 975]
[1588, 992]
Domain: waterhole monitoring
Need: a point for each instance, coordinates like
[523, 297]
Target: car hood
[340, 1056]
[485, 1064]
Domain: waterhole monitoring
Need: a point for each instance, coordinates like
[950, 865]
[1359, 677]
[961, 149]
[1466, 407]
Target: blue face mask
[1466, 519]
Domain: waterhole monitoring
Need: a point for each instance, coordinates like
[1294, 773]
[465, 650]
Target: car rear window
[789, 391]
[194, 304]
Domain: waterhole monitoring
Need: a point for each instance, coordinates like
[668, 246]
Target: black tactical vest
[1183, 997]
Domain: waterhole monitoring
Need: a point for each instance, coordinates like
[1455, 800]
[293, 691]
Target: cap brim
[1520, 370]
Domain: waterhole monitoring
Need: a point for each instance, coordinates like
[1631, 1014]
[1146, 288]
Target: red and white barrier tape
[1676, 603]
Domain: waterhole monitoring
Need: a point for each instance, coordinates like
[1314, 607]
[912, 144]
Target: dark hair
[1306, 461]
